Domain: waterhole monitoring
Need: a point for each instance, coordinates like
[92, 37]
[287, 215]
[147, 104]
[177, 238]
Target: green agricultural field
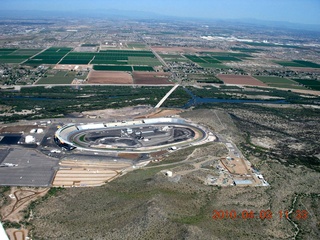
[227, 58]
[288, 64]
[17, 56]
[136, 45]
[228, 54]
[107, 62]
[307, 64]
[77, 58]
[279, 82]
[259, 44]
[90, 45]
[210, 59]
[298, 63]
[195, 59]
[25, 52]
[5, 51]
[173, 58]
[112, 68]
[50, 56]
[312, 84]
[143, 68]
[247, 50]
[148, 61]
[12, 60]
[59, 77]
[127, 53]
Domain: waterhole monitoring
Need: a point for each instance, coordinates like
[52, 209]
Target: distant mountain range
[118, 14]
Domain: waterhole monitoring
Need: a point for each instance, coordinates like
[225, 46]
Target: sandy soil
[235, 166]
[122, 113]
[161, 113]
[240, 80]
[151, 78]
[109, 77]
[15, 234]
[129, 155]
[74, 173]
[21, 198]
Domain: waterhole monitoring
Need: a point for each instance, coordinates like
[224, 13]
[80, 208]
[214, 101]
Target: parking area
[26, 167]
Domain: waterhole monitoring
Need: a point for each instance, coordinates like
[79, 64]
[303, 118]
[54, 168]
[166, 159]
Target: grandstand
[144, 135]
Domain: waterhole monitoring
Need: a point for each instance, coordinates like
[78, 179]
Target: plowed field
[151, 78]
[109, 77]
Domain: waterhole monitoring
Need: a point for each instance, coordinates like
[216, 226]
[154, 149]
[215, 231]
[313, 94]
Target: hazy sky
[296, 11]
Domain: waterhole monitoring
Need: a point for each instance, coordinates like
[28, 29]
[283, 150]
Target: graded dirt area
[109, 77]
[240, 80]
[161, 113]
[20, 199]
[151, 78]
[119, 114]
[73, 173]
[19, 128]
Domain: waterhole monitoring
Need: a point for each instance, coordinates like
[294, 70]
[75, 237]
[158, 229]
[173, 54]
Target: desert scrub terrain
[144, 204]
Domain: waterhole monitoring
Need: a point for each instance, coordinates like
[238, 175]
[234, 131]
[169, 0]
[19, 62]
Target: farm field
[247, 50]
[16, 55]
[59, 77]
[312, 84]
[112, 68]
[173, 58]
[78, 58]
[148, 61]
[279, 82]
[216, 59]
[227, 54]
[151, 78]
[262, 44]
[298, 63]
[143, 68]
[50, 56]
[122, 68]
[206, 61]
[107, 77]
[135, 45]
[240, 80]
[56, 55]
[227, 58]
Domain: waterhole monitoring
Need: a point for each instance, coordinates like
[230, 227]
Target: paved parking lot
[34, 169]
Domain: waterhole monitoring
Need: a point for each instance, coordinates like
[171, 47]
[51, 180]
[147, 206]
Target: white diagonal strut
[166, 96]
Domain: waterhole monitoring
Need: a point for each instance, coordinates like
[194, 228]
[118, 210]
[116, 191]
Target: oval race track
[143, 135]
